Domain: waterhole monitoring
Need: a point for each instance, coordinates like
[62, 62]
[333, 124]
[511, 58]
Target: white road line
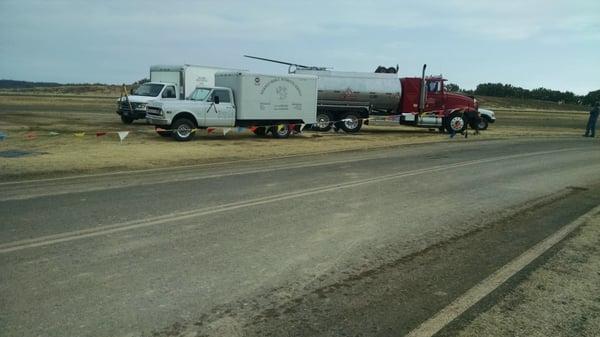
[135, 224]
[434, 324]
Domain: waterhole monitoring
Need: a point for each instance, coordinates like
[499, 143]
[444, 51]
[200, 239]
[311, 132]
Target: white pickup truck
[170, 82]
[265, 103]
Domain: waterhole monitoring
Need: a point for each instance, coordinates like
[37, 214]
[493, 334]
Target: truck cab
[132, 107]
[426, 103]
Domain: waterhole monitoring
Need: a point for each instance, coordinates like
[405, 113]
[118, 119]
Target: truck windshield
[200, 94]
[148, 89]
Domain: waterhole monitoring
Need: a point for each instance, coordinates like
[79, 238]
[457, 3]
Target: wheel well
[186, 115]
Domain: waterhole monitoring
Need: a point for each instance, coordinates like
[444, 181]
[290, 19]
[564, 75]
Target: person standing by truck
[472, 119]
[590, 129]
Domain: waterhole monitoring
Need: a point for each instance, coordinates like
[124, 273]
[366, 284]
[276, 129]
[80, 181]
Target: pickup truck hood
[137, 99]
[177, 105]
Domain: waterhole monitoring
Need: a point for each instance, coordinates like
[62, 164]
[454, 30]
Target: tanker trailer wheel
[183, 129]
[456, 123]
[323, 122]
[351, 123]
[483, 123]
[281, 132]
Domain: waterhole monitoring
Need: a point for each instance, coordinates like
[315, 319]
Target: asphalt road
[280, 247]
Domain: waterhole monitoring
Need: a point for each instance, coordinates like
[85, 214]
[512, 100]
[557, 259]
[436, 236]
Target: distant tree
[507, 90]
[452, 87]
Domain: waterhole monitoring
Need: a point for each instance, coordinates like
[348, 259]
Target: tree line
[508, 90]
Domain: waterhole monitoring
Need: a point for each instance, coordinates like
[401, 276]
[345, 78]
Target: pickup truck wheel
[283, 132]
[323, 122]
[456, 123]
[164, 133]
[126, 119]
[351, 123]
[183, 129]
[483, 123]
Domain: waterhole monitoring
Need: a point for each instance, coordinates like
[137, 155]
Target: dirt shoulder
[560, 298]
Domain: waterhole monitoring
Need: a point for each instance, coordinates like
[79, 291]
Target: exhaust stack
[423, 93]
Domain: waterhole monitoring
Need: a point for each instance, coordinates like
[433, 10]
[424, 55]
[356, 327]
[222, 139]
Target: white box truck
[166, 82]
[265, 103]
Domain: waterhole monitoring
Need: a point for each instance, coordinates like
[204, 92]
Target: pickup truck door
[222, 110]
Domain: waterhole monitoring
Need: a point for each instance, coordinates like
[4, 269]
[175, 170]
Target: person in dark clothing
[472, 119]
[590, 129]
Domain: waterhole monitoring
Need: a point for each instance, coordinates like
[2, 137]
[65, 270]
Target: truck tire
[260, 131]
[280, 133]
[351, 123]
[323, 122]
[483, 123]
[126, 119]
[183, 129]
[164, 133]
[455, 123]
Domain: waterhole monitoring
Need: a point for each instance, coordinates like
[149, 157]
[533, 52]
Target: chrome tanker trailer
[346, 99]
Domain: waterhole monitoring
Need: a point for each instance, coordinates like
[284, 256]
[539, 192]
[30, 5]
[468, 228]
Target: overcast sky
[528, 43]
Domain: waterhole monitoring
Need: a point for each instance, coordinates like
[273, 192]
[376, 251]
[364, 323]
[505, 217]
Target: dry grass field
[30, 121]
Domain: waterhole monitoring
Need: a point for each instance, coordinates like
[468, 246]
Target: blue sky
[529, 43]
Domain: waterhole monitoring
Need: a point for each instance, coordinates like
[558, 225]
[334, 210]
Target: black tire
[455, 123]
[183, 129]
[323, 123]
[126, 119]
[484, 122]
[281, 133]
[351, 123]
[163, 133]
[260, 131]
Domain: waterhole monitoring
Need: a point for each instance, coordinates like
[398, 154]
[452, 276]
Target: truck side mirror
[216, 99]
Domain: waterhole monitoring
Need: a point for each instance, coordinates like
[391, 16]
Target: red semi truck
[346, 99]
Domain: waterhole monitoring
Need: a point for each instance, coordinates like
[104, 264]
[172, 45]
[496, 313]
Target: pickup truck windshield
[199, 94]
[148, 89]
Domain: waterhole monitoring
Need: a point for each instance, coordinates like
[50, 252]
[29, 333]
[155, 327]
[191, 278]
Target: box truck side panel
[268, 97]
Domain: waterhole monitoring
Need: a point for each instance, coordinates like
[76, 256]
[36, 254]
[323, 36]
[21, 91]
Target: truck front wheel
[183, 129]
[351, 123]
[455, 123]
